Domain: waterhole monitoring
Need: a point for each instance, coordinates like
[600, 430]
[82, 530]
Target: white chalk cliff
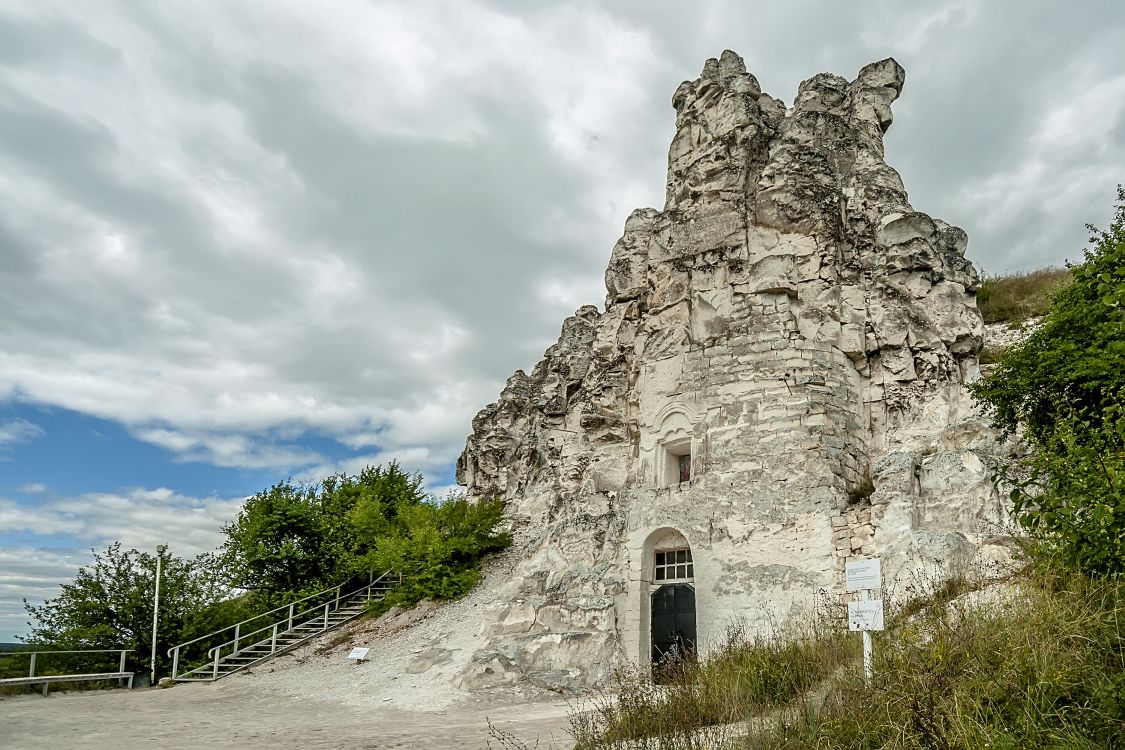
[788, 337]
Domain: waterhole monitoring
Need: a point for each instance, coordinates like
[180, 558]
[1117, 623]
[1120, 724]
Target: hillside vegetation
[1016, 297]
[1043, 669]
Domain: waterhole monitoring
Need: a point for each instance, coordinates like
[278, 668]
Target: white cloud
[228, 449]
[139, 518]
[17, 430]
[35, 575]
[33, 488]
[136, 517]
[202, 322]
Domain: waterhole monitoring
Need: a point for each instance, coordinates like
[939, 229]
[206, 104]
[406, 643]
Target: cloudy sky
[248, 240]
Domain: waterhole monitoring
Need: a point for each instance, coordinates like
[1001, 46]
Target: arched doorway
[672, 631]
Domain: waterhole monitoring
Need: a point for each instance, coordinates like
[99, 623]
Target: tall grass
[1015, 297]
[749, 675]
[1041, 667]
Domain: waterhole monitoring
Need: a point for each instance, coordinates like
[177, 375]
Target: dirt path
[236, 714]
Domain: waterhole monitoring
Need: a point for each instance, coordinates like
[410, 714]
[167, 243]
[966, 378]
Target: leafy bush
[292, 540]
[1016, 297]
[287, 541]
[1063, 389]
[109, 605]
[438, 548]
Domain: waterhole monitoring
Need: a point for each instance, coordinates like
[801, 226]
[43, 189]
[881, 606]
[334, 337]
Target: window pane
[660, 574]
[685, 468]
[681, 556]
[691, 571]
[681, 571]
[659, 558]
[689, 555]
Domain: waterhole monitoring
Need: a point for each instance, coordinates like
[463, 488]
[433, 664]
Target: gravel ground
[229, 715]
[402, 697]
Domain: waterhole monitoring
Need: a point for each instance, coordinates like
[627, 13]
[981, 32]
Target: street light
[160, 550]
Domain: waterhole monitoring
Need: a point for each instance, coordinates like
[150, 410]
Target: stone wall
[793, 324]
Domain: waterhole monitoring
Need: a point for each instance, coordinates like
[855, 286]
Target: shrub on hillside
[438, 547]
[291, 540]
[1062, 391]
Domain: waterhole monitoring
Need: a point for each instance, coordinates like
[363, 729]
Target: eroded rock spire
[781, 327]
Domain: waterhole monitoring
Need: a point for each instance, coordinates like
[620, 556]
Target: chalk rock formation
[776, 383]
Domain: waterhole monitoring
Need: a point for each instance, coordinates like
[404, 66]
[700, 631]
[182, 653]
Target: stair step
[342, 610]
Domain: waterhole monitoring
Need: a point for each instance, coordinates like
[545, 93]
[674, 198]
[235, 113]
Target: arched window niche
[675, 447]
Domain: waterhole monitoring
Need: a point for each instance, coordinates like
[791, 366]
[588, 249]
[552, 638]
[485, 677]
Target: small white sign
[865, 615]
[359, 654]
[864, 574]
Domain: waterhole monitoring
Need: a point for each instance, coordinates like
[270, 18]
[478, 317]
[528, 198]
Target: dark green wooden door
[673, 621]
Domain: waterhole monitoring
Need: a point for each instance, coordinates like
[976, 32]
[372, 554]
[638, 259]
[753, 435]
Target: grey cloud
[334, 249]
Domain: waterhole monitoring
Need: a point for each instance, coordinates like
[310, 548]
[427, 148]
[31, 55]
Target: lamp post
[160, 550]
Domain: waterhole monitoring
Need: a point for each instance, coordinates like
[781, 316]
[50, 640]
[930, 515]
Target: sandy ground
[229, 715]
[404, 696]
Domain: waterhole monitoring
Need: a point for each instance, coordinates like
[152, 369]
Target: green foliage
[1070, 493]
[438, 548]
[1044, 669]
[1063, 388]
[1077, 357]
[291, 540]
[1015, 297]
[109, 604]
[274, 544]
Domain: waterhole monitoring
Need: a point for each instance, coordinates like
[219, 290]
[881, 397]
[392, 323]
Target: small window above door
[674, 565]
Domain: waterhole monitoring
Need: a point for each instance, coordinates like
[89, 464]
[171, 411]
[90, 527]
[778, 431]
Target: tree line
[287, 541]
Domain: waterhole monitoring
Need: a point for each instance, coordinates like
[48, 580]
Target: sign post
[865, 615]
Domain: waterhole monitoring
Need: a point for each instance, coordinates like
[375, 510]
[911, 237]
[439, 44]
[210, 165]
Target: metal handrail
[33, 654]
[257, 616]
[335, 605]
[213, 654]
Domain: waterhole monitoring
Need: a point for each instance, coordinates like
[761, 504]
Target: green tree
[1062, 390]
[274, 544]
[109, 604]
[289, 540]
[1075, 361]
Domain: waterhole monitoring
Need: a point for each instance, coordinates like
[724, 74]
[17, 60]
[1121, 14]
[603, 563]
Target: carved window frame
[675, 446]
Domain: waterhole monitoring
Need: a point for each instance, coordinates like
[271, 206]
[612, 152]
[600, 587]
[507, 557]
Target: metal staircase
[264, 636]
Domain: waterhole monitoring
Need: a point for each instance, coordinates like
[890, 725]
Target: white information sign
[359, 654]
[865, 615]
[864, 574]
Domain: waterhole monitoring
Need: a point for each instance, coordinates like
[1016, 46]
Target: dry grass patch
[1045, 668]
[1015, 297]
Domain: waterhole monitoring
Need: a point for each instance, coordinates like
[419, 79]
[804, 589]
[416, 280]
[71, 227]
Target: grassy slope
[1013, 298]
[1046, 669]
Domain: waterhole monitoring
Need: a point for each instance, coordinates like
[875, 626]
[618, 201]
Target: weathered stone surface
[796, 328]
